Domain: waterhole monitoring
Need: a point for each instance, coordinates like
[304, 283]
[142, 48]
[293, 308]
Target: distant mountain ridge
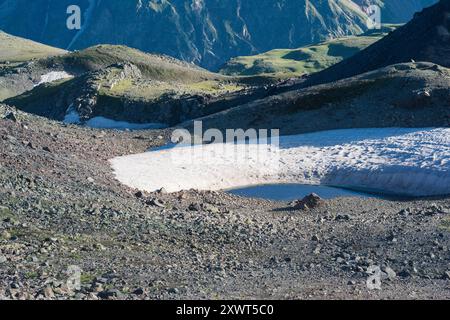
[206, 33]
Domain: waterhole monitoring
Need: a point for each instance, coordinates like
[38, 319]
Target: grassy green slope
[15, 50]
[160, 74]
[156, 67]
[118, 82]
[305, 60]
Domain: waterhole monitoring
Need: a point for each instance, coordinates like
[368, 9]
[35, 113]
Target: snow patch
[53, 76]
[72, 117]
[105, 123]
[408, 162]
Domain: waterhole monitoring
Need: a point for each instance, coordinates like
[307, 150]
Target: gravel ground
[62, 210]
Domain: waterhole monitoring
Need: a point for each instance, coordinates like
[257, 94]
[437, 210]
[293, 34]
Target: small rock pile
[309, 202]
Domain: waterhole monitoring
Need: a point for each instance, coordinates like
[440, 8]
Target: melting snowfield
[407, 162]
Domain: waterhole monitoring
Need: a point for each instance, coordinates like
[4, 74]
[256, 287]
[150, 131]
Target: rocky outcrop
[311, 201]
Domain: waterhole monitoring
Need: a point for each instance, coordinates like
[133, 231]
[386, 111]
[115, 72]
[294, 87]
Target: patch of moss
[87, 278]
[213, 87]
[445, 225]
[5, 213]
[31, 275]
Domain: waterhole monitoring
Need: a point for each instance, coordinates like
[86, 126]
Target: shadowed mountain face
[397, 11]
[207, 33]
[425, 38]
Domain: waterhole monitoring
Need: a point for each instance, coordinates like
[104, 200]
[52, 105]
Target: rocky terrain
[61, 209]
[402, 95]
[70, 230]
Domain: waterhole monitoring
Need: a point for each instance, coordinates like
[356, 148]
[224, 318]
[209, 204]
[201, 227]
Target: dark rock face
[204, 32]
[10, 116]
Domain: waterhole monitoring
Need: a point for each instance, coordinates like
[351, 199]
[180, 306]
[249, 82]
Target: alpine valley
[106, 180]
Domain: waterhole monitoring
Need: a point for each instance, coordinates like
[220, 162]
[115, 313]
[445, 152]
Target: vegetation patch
[296, 62]
[15, 50]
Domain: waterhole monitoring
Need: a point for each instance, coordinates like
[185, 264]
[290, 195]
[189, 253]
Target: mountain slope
[158, 67]
[425, 38]
[304, 60]
[204, 32]
[403, 95]
[125, 84]
[17, 79]
[15, 50]
[397, 11]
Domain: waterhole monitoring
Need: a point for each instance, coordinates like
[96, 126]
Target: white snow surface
[400, 161]
[105, 123]
[53, 76]
[72, 117]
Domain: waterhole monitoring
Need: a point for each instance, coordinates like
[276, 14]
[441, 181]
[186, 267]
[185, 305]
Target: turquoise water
[289, 192]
